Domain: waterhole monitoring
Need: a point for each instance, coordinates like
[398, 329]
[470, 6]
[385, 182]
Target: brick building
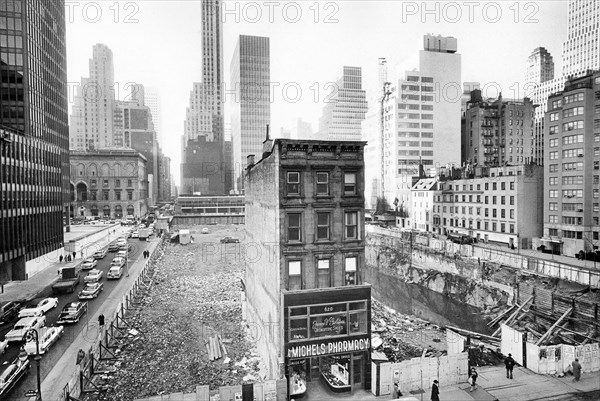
[305, 293]
[108, 183]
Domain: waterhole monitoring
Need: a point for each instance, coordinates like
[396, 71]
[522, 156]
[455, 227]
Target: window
[512, 186]
[494, 213]
[572, 193]
[502, 213]
[129, 183]
[351, 225]
[350, 270]
[571, 125]
[129, 195]
[503, 186]
[117, 195]
[322, 183]
[493, 200]
[323, 273]
[117, 183]
[568, 140]
[553, 155]
[553, 206]
[553, 193]
[553, 117]
[105, 183]
[572, 179]
[494, 186]
[93, 183]
[553, 180]
[323, 221]
[293, 183]
[574, 111]
[553, 143]
[294, 275]
[512, 213]
[553, 168]
[105, 195]
[349, 183]
[553, 129]
[572, 153]
[294, 227]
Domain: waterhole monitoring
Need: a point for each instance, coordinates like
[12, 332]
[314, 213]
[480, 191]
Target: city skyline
[377, 29]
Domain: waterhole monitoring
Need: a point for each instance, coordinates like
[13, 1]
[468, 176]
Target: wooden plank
[513, 316]
[579, 334]
[498, 318]
[549, 332]
[472, 333]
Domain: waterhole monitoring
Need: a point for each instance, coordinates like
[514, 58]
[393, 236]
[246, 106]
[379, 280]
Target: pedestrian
[81, 254]
[60, 258]
[576, 370]
[473, 378]
[397, 392]
[509, 362]
[74, 255]
[435, 391]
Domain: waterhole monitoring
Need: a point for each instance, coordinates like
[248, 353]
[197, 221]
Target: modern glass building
[34, 134]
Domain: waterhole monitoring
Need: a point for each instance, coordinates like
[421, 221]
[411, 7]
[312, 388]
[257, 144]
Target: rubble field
[191, 316]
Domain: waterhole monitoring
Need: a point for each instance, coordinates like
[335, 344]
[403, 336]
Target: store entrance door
[357, 372]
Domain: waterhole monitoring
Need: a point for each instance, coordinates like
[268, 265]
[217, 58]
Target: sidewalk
[39, 285]
[64, 369]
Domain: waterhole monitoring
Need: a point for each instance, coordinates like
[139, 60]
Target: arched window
[130, 210]
[118, 212]
[106, 211]
[94, 210]
[82, 192]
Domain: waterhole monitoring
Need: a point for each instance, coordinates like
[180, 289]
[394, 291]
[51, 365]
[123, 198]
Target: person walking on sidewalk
[509, 362]
[473, 379]
[576, 370]
[60, 258]
[74, 255]
[435, 391]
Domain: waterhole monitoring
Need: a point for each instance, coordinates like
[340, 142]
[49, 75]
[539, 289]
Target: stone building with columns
[108, 183]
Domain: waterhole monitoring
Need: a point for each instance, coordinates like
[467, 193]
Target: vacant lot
[195, 295]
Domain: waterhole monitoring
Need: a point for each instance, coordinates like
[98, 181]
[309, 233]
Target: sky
[158, 43]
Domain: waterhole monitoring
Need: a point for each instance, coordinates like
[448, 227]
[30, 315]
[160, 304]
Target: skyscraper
[251, 105]
[540, 66]
[581, 50]
[205, 161]
[93, 107]
[345, 108]
[34, 135]
[152, 100]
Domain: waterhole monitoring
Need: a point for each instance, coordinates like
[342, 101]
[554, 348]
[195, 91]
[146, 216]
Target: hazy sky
[158, 43]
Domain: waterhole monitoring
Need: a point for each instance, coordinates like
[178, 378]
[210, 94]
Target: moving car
[12, 374]
[47, 337]
[115, 272]
[91, 290]
[8, 311]
[118, 261]
[229, 240]
[72, 312]
[89, 264]
[93, 276]
[40, 308]
[23, 326]
[100, 254]
[113, 247]
[122, 253]
[122, 241]
[135, 234]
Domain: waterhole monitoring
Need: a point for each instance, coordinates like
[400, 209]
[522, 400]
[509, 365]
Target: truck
[145, 233]
[68, 279]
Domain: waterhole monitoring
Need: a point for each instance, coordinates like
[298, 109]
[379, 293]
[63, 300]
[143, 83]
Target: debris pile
[188, 328]
[403, 337]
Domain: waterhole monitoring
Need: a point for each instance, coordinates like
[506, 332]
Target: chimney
[267, 145]
[249, 161]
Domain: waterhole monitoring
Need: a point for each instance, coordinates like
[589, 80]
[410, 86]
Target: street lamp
[33, 334]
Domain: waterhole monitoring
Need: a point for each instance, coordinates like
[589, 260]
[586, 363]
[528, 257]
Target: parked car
[12, 374]
[229, 240]
[47, 336]
[91, 290]
[40, 308]
[122, 241]
[100, 254]
[122, 253]
[89, 264]
[23, 326]
[93, 276]
[115, 272]
[72, 312]
[118, 261]
[9, 311]
[113, 247]
[135, 234]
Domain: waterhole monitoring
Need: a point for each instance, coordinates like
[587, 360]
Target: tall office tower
[92, 114]
[422, 120]
[572, 167]
[345, 108]
[203, 167]
[497, 132]
[152, 100]
[34, 135]
[251, 104]
[581, 50]
[540, 66]
[302, 130]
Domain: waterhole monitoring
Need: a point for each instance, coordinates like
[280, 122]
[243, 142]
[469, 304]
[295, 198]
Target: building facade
[572, 167]
[108, 183]
[205, 113]
[34, 135]
[306, 292]
[345, 108]
[92, 116]
[498, 132]
[498, 204]
[581, 50]
[251, 102]
[540, 66]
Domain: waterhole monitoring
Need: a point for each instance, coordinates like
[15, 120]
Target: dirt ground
[195, 295]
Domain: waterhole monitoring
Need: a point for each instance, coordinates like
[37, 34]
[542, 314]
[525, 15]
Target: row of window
[570, 234]
[566, 207]
[566, 193]
[295, 232]
[296, 275]
[294, 183]
[486, 225]
[486, 186]
[83, 196]
[469, 210]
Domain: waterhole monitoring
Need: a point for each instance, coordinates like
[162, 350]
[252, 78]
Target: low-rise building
[498, 204]
[305, 293]
[108, 183]
[423, 194]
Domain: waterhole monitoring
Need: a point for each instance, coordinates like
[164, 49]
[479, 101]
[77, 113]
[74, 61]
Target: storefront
[327, 338]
